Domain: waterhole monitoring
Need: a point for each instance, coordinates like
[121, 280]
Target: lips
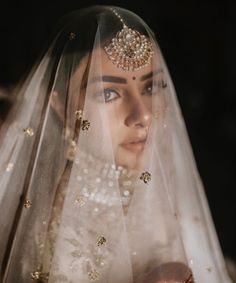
[135, 145]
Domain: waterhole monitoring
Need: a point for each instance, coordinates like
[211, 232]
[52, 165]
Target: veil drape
[73, 210]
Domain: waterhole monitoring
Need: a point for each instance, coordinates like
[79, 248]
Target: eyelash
[101, 96]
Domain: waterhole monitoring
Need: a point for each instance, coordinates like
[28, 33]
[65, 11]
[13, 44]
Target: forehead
[105, 66]
[101, 65]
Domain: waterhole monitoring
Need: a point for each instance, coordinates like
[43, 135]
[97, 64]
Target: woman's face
[126, 97]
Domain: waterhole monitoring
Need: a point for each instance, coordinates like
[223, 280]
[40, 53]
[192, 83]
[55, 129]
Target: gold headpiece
[129, 50]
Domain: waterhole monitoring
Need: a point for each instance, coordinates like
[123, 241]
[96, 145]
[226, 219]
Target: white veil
[74, 206]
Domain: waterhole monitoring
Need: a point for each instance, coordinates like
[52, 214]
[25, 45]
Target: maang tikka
[129, 50]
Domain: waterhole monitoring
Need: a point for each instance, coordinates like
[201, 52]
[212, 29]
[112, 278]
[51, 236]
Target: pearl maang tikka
[129, 50]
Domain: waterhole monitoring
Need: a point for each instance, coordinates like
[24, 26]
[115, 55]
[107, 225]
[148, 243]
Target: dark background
[198, 41]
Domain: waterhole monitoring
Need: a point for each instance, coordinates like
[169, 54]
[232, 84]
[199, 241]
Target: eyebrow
[121, 80]
[151, 74]
[113, 79]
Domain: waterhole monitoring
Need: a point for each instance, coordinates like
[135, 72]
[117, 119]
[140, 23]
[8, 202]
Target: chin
[127, 159]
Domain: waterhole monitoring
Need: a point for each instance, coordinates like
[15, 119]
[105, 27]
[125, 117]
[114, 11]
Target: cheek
[148, 101]
[115, 122]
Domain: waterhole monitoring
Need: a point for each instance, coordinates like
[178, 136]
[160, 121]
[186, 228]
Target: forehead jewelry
[129, 50]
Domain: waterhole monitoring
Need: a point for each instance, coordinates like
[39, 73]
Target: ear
[57, 105]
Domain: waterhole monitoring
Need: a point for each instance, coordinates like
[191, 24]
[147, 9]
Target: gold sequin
[101, 241]
[85, 125]
[94, 275]
[35, 275]
[72, 36]
[81, 200]
[9, 167]
[38, 275]
[145, 177]
[27, 203]
[78, 114]
[29, 132]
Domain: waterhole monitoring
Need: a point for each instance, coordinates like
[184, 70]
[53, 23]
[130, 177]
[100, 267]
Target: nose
[139, 114]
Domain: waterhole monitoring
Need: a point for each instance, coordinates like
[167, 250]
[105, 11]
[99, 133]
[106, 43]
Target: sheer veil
[85, 198]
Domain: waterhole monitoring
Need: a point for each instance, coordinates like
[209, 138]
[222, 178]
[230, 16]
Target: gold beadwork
[72, 35]
[85, 125]
[29, 132]
[79, 114]
[129, 50]
[145, 177]
[81, 200]
[94, 275]
[35, 275]
[38, 275]
[27, 203]
[101, 241]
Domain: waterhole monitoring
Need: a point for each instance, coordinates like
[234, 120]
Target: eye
[107, 95]
[151, 88]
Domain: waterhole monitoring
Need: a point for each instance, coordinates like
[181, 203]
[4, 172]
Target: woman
[98, 181]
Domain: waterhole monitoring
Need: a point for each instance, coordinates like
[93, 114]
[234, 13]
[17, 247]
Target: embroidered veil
[98, 180]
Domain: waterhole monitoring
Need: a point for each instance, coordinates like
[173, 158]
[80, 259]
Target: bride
[98, 180]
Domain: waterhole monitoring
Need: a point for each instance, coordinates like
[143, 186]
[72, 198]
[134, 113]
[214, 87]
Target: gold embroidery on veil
[126, 180]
